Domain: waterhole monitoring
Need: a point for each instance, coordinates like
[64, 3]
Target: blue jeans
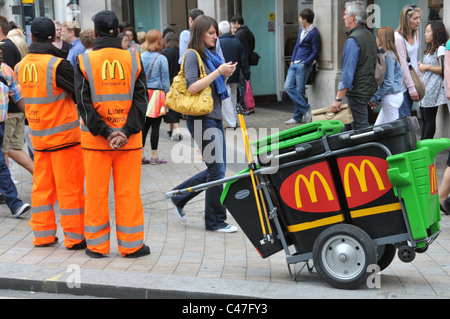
[7, 187]
[295, 87]
[405, 108]
[209, 135]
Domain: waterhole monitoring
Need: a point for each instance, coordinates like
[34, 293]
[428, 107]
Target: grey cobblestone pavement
[188, 262]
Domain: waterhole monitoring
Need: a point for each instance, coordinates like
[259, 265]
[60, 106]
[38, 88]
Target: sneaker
[176, 137]
[2, 199]
[307, 117]
[180, 213]
[227, 229]
[143, 251]
[291, 122]
[21, 210]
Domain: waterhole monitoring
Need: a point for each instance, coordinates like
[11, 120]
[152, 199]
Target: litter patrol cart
[343, 200]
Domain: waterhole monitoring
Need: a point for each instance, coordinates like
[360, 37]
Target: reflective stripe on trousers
[58, 176]
[129, 213]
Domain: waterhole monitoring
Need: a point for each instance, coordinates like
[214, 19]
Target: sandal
[146, 161]
[156, 161]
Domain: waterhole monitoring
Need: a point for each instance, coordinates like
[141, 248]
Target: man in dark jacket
[306, 51]
[247, 39]
[357, 83]
[233, 51]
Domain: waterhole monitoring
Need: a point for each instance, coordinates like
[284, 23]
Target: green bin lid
[297, 135]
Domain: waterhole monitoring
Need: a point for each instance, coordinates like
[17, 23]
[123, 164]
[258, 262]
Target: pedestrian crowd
[404, 77]
[85, 102]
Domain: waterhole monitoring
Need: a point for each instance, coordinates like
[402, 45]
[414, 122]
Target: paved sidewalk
[188, 262]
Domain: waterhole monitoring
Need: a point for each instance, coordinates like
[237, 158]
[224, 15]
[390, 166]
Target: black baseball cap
[43, 28]
[106, 23]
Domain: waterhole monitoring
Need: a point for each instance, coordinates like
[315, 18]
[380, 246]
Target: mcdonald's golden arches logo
[30, 73]
[365, 179]
[361, 176]
[433, 180]
[311, 189]
[112, 67]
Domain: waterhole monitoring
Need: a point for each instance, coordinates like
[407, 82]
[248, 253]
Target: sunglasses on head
[411, 8]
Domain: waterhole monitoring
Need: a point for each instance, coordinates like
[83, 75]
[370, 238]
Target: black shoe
[49, 244]
[143, 251]
[81, 245]
[2, 199]
[93, 254]
[445, 204]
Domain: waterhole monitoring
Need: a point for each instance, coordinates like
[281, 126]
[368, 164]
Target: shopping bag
[325, 114]
[248, 98]
[157, 103]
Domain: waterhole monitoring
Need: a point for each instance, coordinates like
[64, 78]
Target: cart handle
[376, 130]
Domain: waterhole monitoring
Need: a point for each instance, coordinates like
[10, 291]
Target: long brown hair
[387, 40]
[200, 26]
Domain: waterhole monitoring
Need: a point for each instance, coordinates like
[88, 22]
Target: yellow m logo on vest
[107, 65]
[32, 73]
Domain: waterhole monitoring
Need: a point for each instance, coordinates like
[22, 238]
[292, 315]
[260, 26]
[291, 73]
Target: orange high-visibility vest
[112, 74]
[51, 112]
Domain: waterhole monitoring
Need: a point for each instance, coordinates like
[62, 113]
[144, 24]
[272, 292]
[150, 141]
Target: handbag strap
[151, 68]
[200, 64]
[408, 59]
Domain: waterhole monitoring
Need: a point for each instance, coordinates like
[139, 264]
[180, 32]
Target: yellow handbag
[182, 101]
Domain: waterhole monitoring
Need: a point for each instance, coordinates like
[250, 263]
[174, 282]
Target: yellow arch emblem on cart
[311, 186]
[361, 176]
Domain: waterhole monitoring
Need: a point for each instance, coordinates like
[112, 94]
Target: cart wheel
[422, 250]
[342, 254]
[406, 254]
[386, 254]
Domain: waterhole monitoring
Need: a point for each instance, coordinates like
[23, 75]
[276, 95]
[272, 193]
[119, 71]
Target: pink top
[401, 49]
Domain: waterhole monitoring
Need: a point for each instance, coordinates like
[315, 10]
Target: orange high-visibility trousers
[58, 176]
[129, 212]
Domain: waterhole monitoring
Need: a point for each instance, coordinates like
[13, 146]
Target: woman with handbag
[156, 68]
[407, 42]
[207, 130]
[432, 68]
[389, 93]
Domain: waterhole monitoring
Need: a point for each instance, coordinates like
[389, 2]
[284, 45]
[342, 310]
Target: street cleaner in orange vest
[48, 86]
[112, 100]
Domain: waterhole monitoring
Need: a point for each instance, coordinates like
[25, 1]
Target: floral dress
[435, 84]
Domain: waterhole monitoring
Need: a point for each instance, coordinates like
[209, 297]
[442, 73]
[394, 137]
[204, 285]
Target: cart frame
[404, 242]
